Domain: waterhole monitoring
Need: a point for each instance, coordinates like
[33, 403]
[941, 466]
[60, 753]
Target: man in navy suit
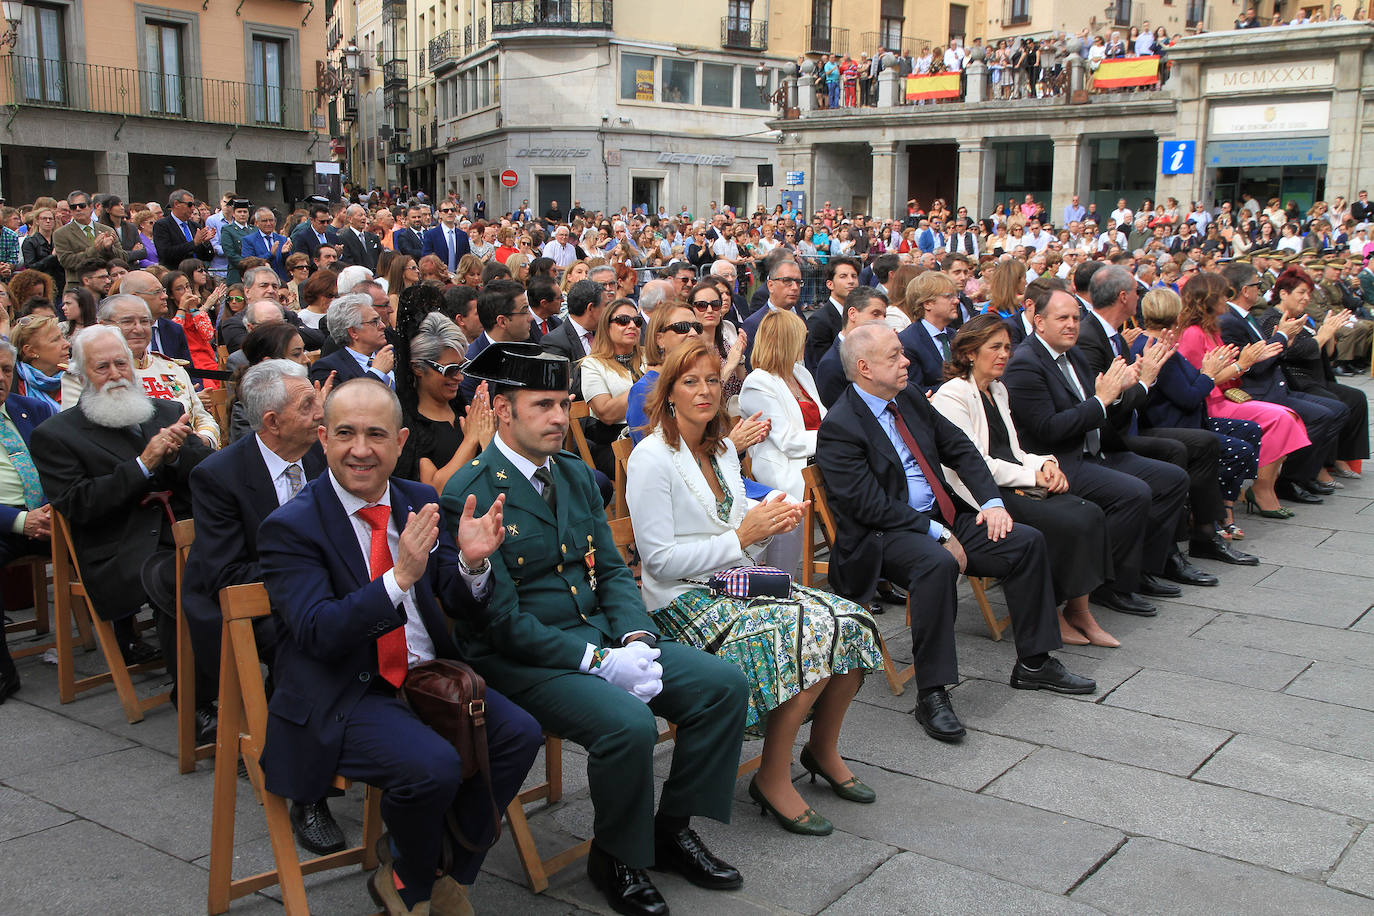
[503, 308]
[366, 576]
[407, 238]
[25, 517]
[929, 339]
[784, 290]
[169, 338]
[177, 236]
[313, 233]
[363, 350]
[267, 243]
[446, 240]
[841, 277]
[880, 451]
[359, 246]
[545, 301]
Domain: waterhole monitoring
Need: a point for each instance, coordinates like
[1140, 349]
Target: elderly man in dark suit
[1062, 410]
[363, 349]
[366, 577]
[880, 450]
[358, 245]
[25, 517]
[118, 466]
[177, 236]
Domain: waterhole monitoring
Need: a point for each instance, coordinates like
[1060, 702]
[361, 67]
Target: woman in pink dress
[1204, 298]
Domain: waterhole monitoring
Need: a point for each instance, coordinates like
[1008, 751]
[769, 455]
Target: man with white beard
[117, 466]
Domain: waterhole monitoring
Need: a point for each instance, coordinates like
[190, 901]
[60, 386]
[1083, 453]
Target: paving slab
[1149, 876]
[37, 739]
[1345, 685]
[118, 876]
[1299, 774]
[169, 812]
[1092, 729]
[1297, 720]
[1286, 592]
[1347, 647]
[1356, 871]
[1248, 827]
[910, 882]
[1031, 847]
[21, 815]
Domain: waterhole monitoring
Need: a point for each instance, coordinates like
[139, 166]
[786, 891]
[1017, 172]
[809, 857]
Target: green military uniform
[559, 584]
[230, 242]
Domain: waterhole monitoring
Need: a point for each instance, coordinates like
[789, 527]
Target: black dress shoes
[316, 828]
[1178, 569]
[207, 723]
[683, 851]
[1052, 675]
[1217, 547]
[138, 652]
[1155, 586]
[628, 890]
[9, 685]
[1321, 488]
[936, 715]
[890, 593]
[1296, 493]
[1124, 602]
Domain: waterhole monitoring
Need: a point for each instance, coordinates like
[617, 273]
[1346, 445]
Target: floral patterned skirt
[782, 645]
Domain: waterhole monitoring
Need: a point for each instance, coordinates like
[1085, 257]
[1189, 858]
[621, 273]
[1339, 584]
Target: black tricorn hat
[519, 365]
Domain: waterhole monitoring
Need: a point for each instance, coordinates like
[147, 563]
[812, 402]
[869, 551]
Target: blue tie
[186, 230]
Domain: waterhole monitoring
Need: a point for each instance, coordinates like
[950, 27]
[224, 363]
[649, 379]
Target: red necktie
[391, 646]
[942, 500]
[543, 326]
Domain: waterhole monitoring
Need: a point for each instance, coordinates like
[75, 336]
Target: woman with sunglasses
[202, 281]
[699, 252]
[614, 364]
[671, 325]
[709, 304]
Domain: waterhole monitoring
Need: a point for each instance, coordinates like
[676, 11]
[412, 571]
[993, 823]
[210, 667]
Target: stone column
[976, 75]
[806, 87]
[112, 172]
[1068, 154]
[221, 174]
[973, 191]
[882, 200]
[890, 91]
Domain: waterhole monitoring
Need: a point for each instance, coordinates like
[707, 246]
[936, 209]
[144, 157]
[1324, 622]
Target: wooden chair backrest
[184, 533]
[577, 439]
[813, 489]
[222, 352]
[622, 449]
[65, 569]
[240, 605]
[219, 407]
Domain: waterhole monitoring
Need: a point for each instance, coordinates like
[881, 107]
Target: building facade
[133, 99]
[1280, 112]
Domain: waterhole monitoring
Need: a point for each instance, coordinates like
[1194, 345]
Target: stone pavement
[1225, 765]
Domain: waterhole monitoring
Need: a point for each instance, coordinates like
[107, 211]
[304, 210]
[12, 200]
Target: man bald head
[147, 287]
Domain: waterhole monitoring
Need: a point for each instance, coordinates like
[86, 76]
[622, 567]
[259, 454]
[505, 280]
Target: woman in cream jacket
[782, 390]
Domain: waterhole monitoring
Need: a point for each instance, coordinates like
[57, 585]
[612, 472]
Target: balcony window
[637, 77]
[890, 35]
[163, 60]
[267, 78]
[718, 85]
[41, 48]
[679, 81]
[1017, 11]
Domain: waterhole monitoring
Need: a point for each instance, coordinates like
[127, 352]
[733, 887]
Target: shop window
[679, 81]
[718, 85]
[637, 77]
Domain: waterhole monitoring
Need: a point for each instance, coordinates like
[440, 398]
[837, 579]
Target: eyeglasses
[447, 370]
[792, 281]
[684, 327]
[626, 320]
[706, 305]
[377, 322]
[133, 322]
[80, 206]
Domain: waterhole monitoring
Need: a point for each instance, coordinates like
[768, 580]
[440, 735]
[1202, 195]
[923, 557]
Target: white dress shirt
[276, 471]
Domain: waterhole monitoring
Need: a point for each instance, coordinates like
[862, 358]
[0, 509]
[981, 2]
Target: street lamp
[14, 12]
[169, 176]
[351, 58]
[49, 171]
[269, 181]
[761, 81]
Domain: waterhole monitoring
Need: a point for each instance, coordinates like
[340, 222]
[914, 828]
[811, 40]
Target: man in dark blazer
[363, 350]
[313, 233]
[25, 517]
[545, 300]
[117, 466]
[929, 340]
[267, 243]
[177, 236]
[407, 237]
[365, 576]
[572, 339]
[841, 278]
[447, 240]
[784, 292]
[880, 450]
[358, 245]
[1074, 417]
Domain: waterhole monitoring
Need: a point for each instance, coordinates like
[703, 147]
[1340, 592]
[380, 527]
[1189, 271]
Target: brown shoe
[382, 886]
[448, 898]
[1069, 634]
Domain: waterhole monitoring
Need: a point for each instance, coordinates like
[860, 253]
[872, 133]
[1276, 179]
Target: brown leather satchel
[450, 698]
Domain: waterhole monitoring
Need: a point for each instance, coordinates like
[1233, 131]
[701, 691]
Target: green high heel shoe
[1252, 507]
[808, 823]
[850, 790]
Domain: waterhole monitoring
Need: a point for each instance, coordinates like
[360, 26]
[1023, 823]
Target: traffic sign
[1176, 157]
[509, 178]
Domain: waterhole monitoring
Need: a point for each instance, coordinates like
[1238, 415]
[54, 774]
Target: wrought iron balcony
[39, 82]
[515, 15]
[393, 10]
[395, 72]
[443, 51]
[826, 41]
[744, 34]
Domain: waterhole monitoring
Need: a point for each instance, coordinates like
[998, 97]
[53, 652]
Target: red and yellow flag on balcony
[1120, 72]
[932, 86]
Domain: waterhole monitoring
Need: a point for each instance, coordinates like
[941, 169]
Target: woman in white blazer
[691, 519]
[1034, 489]
[782, 390]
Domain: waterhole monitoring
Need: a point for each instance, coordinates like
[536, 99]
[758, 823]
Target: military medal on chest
[590, 560]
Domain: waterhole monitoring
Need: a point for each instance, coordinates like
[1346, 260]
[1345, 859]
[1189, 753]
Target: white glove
[633, 668]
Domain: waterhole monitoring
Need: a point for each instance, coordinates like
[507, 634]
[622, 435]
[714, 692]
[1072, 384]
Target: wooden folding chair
[576, 440]
[222, 354]
[37, 569]
[219, 408]
[621, 448]
[242, 726]
[188, 752]
[73, 607]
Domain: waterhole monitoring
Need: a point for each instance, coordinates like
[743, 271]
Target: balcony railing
[872, 41]
[512, 15]
[826, 41]
[393, 10]
[744, 34]
[443, 51]
[70, 86]
[394, 72]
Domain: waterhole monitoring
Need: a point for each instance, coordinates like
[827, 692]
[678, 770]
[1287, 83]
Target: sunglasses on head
[447, 370]
[626, 320]
[684, 327]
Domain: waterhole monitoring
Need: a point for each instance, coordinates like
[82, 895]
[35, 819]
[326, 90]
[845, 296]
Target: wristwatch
[462, 561]
[944, 537]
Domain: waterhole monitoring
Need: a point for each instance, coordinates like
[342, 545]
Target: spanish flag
[932, 86]
[1120, 72]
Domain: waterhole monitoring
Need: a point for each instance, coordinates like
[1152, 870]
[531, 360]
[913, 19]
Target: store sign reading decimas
[644, 85]
[694, 159]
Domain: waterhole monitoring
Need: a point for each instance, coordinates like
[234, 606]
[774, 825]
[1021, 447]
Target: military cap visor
[519, 365]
